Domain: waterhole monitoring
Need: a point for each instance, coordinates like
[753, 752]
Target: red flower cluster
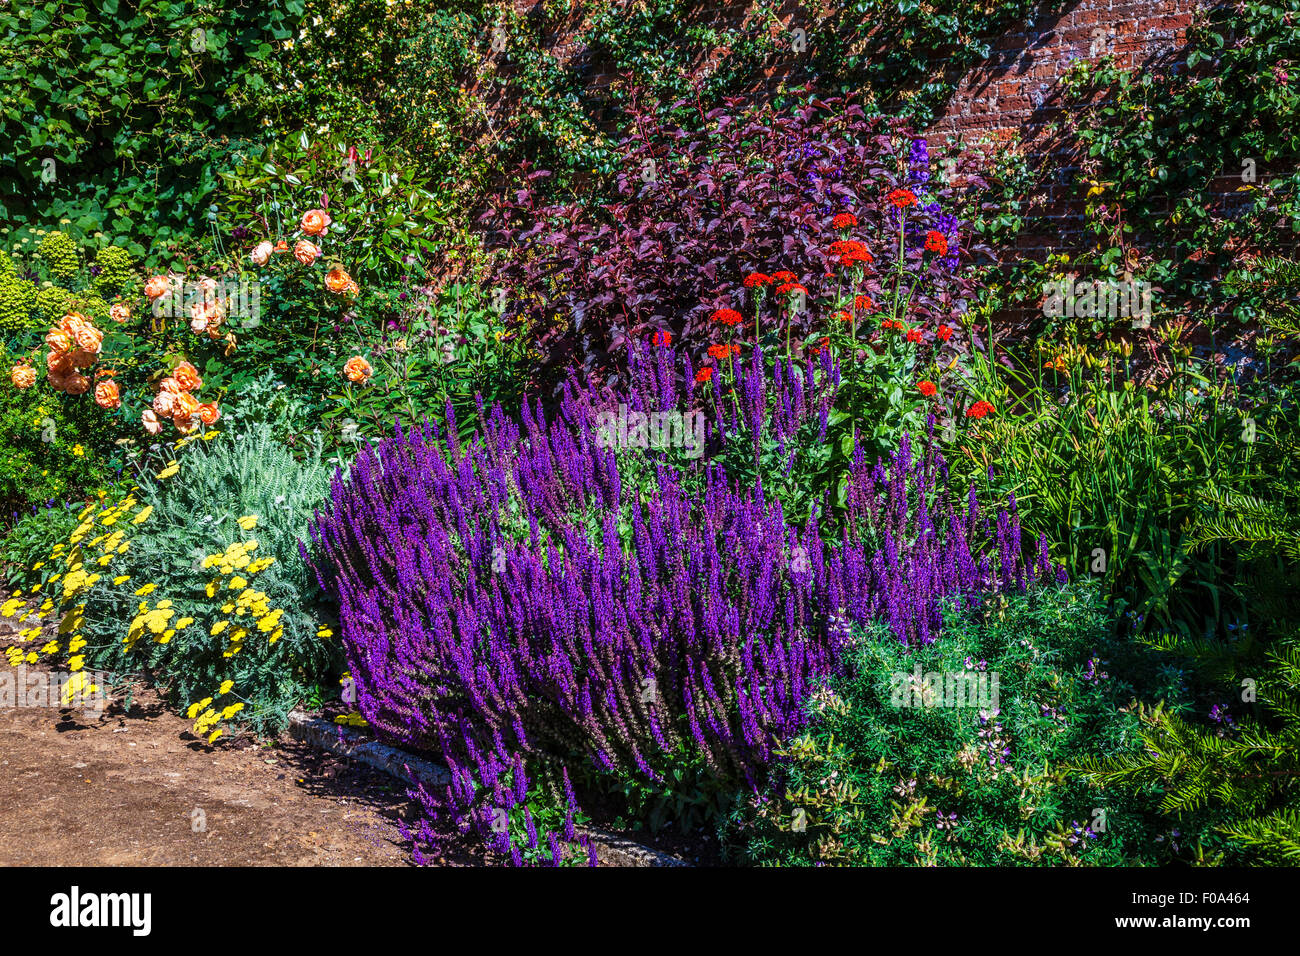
[849, 251]
[721, 352]
[844, 220]
[727, 317]
[901, 198]
[842, 316]
[784, 276]
[926, 388]
[913, 335]
[936, 242]
[891, 324]
[979, 410]
[787, 287]
[757, 280]
[944, 333]
[662, 339]
[704, 375]
[863, 303]
[824, 344]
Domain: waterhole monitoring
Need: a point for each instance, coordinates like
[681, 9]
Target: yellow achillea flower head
[248, 522]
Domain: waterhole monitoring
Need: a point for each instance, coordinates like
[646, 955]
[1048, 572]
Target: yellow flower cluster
[82, 564]
[250, 606]
[206, 716]
[156, 621]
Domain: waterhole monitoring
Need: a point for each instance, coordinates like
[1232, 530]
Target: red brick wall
[1018, 90]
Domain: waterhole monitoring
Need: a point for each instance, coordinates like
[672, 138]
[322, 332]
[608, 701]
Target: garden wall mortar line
[610, 847]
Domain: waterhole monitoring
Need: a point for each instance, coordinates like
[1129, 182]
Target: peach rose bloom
[80, 358]
[72, 321]
[78, 384]
[89, 338]
[59, 340]
[170, 384]
[59, 380]
[315, 221]
[208, 287]
[185, 406]
[106, 395]
[150, 422]
[306, 252]
[282, 246]
[357, 369]
[164, 404]
[187, 376]
[59, 363]
[337, 281]
[120, 312]
[198, 325]
[185, 424]
[156, 287]
[23, 376]
[209, 413]
[261, 254]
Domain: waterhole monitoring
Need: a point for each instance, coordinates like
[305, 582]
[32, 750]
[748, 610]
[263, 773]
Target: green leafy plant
[901, 767]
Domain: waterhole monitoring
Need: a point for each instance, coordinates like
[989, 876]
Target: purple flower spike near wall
[513, 598]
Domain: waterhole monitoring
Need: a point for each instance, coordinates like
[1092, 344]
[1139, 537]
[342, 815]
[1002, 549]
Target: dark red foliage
[697, 212]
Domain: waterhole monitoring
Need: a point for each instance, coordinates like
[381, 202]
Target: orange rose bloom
[357, 370]
[106, 395]
[187, 376]
[185, 405]
[315, 221]
[77, 384]
[150, 422]
[23, 376]
[209, 413]
[186, 423]
[72, 321]
[80, 358]
[89, 338]
[282, 246]
[119, 313]
[156, 287]
[59, 363]
[170, 384]
[306, 252]
[58, 340]
[337, 281]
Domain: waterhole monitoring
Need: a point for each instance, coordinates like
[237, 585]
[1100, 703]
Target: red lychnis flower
[662, 339]
[783, 276]
[757, 280]
[901, 198]
[825, 343]
[842, 316]
[704, 375]
[926, 388]
[979, 410]
[913, 335]
[936, 242]
[789, 287]
[720, 351]
[944, 333]
[863, 303]
[727, 317]
[844, 220]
